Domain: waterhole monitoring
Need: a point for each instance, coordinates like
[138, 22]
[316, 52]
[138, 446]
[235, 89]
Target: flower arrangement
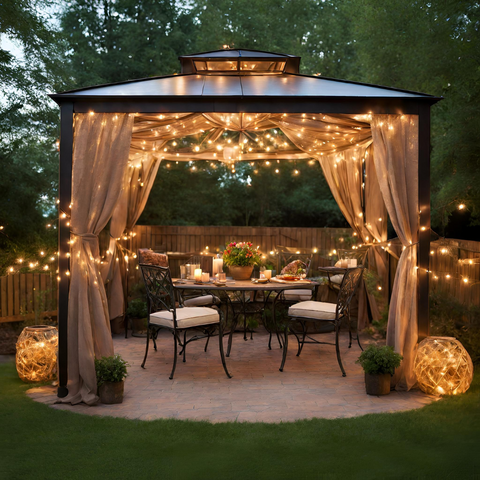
[241, 254]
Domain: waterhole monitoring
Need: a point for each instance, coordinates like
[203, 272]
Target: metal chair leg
[206, 344]
[304, 332]
[230, 336]
[222, 355]
[337, 348]
[270, 341]
[349, 331]
[174, 356]
[184, 345]
[285, 348]
[358, 340]
[146, 348]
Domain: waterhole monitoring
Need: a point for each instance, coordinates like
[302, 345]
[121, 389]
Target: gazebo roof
[225, 79]
[198, 85]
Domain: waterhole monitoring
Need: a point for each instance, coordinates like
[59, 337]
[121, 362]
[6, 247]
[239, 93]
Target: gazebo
[372, 143]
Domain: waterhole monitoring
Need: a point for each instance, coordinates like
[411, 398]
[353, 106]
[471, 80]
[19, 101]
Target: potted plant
[379, 364]
[137, 312]
[111, 373]
[240, 258]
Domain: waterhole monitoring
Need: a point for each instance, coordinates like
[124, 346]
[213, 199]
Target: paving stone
[310, 387]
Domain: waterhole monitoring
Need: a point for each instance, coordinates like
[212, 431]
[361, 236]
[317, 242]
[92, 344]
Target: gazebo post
[65, 195]
[423, 251]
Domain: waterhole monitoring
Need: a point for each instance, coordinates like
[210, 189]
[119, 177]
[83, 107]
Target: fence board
[21, 295]
[3, 296]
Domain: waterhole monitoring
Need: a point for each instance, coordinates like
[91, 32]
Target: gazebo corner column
[65, 196]
[423, 256]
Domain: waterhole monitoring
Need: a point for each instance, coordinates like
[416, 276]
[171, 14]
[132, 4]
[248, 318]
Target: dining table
[246, 297]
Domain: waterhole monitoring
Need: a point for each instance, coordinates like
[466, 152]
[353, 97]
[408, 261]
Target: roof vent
[239, 62]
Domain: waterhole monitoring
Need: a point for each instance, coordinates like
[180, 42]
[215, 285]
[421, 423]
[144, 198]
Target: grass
[440, 441]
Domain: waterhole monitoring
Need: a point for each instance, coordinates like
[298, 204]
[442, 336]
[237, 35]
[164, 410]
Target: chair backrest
[351, 281]
[289, 254]
[360, 253]
[158, 283]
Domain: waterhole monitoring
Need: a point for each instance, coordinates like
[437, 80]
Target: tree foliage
[423, 46]
[432, 47]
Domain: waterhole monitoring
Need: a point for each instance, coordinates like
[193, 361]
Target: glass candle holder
[205, 277]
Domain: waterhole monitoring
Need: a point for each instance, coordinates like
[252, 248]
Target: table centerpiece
[240, 258]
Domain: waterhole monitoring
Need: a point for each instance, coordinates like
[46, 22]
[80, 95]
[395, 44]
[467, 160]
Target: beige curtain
[376, 222]
[395, 139]
[100, 156]
[138, 182]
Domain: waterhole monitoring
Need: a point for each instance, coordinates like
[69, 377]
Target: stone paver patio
[311, 385]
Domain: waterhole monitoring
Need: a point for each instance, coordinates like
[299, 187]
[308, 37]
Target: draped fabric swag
[100, 156]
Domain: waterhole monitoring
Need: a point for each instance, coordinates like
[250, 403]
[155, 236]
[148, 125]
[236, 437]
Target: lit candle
[268, 274]
[353, 262]
[217, 265]
[205, 277]
[198, 274]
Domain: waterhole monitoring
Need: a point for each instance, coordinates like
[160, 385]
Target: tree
[112, 41]
[318, 31]
[432, 47]
[28, 127]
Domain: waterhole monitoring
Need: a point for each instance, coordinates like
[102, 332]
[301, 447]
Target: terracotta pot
[240, 273]
[377, 384]
[111, 392]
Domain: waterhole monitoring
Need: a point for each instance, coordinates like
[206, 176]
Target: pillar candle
[198, 274]
[268, 274]
[205, 277]
[217, 265]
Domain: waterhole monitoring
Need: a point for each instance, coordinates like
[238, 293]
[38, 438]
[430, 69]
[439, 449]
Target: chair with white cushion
[163, 313]
[304, 313]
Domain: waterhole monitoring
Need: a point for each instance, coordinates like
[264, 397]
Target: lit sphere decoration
[443, 366]
[36, 358]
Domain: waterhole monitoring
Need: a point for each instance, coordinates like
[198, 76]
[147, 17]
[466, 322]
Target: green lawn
[439, 441]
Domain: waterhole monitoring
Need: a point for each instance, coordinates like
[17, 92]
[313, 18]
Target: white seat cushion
[336, 279]
[318, 310]
[186, 317]
[201, 301]
[298, 295]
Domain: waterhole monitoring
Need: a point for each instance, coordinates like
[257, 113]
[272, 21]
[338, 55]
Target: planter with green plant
[240, 258]
[137, 314]
[111, 373]
[379, 364]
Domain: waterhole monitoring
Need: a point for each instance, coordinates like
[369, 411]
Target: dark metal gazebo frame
[235, 92]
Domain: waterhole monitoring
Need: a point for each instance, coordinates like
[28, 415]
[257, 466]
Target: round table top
[245, 285]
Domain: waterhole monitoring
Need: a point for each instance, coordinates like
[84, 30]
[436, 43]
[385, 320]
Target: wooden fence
[26, 296]
[461, 260]
[23, 296]
[196, 239]
[455, 269]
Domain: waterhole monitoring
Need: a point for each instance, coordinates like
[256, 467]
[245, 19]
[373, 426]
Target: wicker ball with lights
[36, 358]
[443, 366]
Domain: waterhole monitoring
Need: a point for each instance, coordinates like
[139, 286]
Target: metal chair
[163, 313]
[329, 313]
